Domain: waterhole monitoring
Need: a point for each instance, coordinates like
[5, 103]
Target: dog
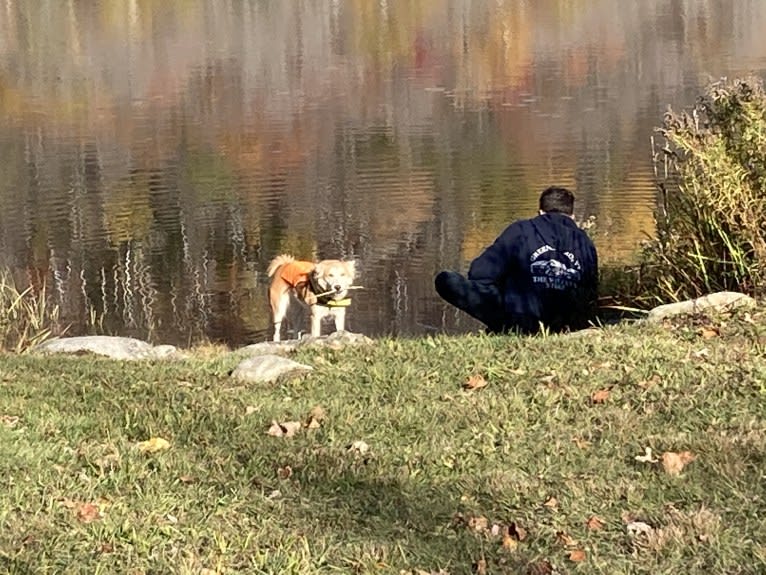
[322, 285]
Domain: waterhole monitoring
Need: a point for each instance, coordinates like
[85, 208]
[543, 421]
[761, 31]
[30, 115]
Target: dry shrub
[710, 165]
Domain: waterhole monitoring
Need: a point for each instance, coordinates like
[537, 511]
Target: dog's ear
[351, 267]
[319, 269]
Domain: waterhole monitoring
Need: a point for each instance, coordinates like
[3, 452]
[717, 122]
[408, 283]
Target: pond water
[156, 154]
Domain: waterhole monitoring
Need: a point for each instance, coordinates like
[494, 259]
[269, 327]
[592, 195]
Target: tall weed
[26, 318]
[710, 165]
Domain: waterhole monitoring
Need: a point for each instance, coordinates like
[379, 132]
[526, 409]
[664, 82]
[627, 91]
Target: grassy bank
[403, 470]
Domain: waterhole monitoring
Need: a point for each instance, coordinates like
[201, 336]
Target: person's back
[540, 271]
[556, 285]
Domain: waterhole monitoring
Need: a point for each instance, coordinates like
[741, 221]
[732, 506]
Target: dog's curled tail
[278, 261]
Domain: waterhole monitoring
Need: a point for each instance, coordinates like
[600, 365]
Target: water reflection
[156, 155]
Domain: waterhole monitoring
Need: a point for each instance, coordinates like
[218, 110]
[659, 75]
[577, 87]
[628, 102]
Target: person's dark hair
[559, 200]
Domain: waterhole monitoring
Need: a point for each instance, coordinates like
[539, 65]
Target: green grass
[442, 463]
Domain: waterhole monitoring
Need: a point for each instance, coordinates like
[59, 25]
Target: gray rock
[714, 302]
[270, 348]
[337, 340]
[126, 348]
[267, 368]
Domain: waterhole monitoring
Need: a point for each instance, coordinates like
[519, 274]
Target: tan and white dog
[322, 285]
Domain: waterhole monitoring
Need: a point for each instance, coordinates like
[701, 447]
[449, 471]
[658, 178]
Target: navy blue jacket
[547, 271]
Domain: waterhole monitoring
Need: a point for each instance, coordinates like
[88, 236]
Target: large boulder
[714, 302]
[124, 348]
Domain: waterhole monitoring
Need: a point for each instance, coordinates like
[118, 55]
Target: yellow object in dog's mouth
[345, 302]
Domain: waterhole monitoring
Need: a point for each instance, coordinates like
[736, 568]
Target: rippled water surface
[156, 154]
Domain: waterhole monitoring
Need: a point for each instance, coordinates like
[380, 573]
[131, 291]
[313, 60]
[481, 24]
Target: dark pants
[480, 300]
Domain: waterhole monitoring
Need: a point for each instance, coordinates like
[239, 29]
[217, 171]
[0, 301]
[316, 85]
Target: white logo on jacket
[552, 273]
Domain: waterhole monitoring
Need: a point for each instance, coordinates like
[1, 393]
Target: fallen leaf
[540, 568]
[517, 371]
[106, 548]
[595, 523]
[359, 446]
[652, 381]
[517, 532]
[578, 555]
[285, 472]
[548, 378]
[481, 567]
[709, 332]
[250, 410]
[565, 539]
[509, 543]
[638, 527]
[701, 354]
[171, 518]
[88, 512]
[478, 524]
[317, 412]
[10, 421]
[286, 429]
[647, 457]
[674, 463]
[551, 503]
[475, 382]
[186, 479]
[316, 415]
[600, 396]
[581, 443]
[153, 445]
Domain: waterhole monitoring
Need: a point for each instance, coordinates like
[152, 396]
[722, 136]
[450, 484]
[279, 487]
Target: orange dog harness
[296, 272]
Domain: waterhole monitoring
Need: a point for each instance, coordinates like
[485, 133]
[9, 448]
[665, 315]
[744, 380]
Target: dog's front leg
[316, 321]
[340, 319]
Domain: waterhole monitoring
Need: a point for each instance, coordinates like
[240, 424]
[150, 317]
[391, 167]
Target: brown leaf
[516, 531]
[250, 410]
[475, 382]
[317, 412]
[286, 429]
[106, 548]
[595, 523]
[674, 463]
[566, 539]
[581, 443]
[543, 567]
[316, 415]
[509, 543]
[709, 332]
[577, 555]
[551, 503]
[186, 479]
[480, 568]
[88, 512]
[285, 472]
[600, 396]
